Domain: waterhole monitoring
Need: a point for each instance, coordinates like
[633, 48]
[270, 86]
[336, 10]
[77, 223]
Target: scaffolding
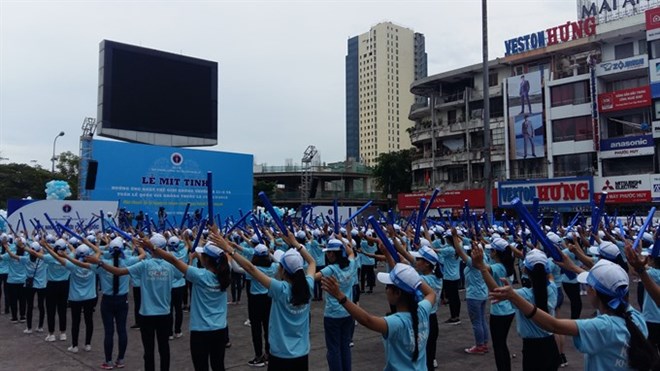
[306, 174]
[88, 130]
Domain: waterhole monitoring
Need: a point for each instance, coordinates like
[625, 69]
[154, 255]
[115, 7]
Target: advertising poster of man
[526, 128]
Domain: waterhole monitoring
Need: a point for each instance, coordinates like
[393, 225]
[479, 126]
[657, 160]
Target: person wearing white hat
[82, 291]
[15, 279]
[288, 333]
[451, 278]
[57, 291]
[337, 322]
[155, 276]
[208, 310]
[413, 299]
[616, 337]
[179, 288]
[4, 272]
[540, 350]
[368, 274]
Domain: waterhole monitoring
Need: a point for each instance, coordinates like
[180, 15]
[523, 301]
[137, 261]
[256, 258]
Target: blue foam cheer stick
[335, 210]
[123, 234]
[381, 235]
[269, 207]
[70, 232]
[638, 239]
[200, 230]
[185, 215]
[550, 248]
[50, 221]
[353, 216]
[420, 218]
[241, 220]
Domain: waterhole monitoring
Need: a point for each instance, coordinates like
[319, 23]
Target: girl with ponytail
[413, 300]
[288, 333]
[615, 338]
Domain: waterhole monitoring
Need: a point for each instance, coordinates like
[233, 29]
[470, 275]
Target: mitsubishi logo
[607, 186]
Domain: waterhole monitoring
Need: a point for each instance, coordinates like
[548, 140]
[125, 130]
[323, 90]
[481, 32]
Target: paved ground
[29, 352]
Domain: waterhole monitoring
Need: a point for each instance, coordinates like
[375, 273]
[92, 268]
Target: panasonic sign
[640, 145]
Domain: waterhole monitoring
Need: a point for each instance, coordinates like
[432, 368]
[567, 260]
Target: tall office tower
[380, 66]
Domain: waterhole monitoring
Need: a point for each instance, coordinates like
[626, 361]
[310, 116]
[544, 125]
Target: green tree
[67, 168]
[393, 171]
[265, 186]
[21, 180]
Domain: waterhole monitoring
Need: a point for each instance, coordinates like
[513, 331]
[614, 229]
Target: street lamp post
[52, 160]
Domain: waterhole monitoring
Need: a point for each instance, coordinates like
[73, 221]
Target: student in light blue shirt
[650, 310]
[4, 272]
[208, 309]
[288, 332]
[156, 294]
[35, 283]
[404, 349]
[57, 290]
[451, 279]
[15, 279]
[82, 292]
[337, 322]
[178, 289]
[368, 274]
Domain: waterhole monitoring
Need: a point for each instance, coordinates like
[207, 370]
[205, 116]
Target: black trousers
[29, 297]
[499, 331]
[432, 341]
[176, 309]
[654, 333]
[137, 298]
[318, 291]
[259, 313]
[16, 293]
[540, 354]
[572, 290]
[288, 364]
[3, 287]
[57, 293]
[236, 286]
[451, 293]
[155, 327]
[208, 347]
[369, 276]
[85, 307]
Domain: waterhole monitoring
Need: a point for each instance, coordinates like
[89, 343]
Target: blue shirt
[82, 285]
[256, 288]
[399, 341]
[316, 251]
[571, 256]
[4, 266]
[16, 269]
[475, 286]
[55, 272]
[208, 306]
[346, 278]
[107, 278]
[371, 249]
[436, 285]
[649, 309]
[526, 328]
[604, 341]
[35, 269]
[288, 330]
[451, 264]
[156, 278]
[178, 279]
[502, 308]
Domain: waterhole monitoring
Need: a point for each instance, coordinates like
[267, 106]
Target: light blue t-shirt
[475, 286]
[156, 292]
[106, 278]
[16, 269]
[256, 288]
[82, 283]
[564, 277]
[526, 328]
[288, 330]
[4, 266]
[556, 273]
[179, 279]
[208, 306]
[316, 251]
[371, 249]
[650, 309]
[346, 278]
[451, 264]
[55, 272]
[504, 307]
[36, 269]
[399, 341]
[436, 285]
[604, 339]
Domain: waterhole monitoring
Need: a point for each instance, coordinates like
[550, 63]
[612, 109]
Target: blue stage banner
[146, 178]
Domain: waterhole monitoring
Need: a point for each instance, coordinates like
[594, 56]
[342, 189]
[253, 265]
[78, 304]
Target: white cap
[552, 236]
[424, 242]
[499, 244]
[173, 241]
[402, 276]
[82, 251]
[60, 244]
[117, 242]
[211, 250]
[291, 261]
[333, 245]
[74, 241]
[34, 245]
[534, 257]
[427, 254]
[301, 235]
[607, 278]
[260, 250]
[606, 249]
[254, 238]
[158, 240]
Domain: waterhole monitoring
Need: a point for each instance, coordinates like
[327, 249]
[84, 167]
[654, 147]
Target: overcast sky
[281, 63]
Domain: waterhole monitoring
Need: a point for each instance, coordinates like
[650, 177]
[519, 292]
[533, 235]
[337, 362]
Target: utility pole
[488, 187]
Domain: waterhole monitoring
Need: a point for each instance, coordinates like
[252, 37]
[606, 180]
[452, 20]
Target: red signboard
[624, 99]
[625, 197]
[447, 199]
[652, 19]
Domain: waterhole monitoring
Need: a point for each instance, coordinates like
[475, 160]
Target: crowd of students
[504, 273]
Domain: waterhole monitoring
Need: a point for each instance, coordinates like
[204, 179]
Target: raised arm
[50, 250]
[311, 263]
[365, 318]
[249, 268]
[458, 245]
[638, 263]
[93, 259]
[478, 263]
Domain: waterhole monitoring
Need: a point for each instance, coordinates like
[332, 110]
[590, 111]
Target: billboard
[66, 212]
[637, 145]
[653, 24]
[621, 65]
[526, 127]
[624, 189]
[145, 177]
[447, 199]
[150, 96]
[553, 192]
[624, 99]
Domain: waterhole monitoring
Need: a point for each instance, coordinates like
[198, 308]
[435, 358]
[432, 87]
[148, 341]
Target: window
[626, 84]
[642, 47]
[574, 93]
[574, 128]
[624, 50]
[654, 49]
[579, 164]
[619, 126]
[628, 166]
[492, 79]
[456, 174]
